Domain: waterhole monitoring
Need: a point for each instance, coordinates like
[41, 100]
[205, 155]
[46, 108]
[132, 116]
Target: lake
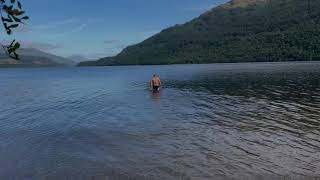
[218, 121]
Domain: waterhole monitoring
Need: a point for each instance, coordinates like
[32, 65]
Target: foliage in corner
[12, 15]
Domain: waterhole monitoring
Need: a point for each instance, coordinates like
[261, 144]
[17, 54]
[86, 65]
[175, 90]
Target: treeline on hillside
[238, 31]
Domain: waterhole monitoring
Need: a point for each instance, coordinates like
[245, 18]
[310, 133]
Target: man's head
[154, 75]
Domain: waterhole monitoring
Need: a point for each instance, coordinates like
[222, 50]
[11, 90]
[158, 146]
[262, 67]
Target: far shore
[222, 63]
[248, 62]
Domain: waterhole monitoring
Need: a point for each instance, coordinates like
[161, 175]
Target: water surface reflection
[229, 121]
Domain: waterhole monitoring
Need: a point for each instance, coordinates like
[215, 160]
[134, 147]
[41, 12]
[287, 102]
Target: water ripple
[236, 121]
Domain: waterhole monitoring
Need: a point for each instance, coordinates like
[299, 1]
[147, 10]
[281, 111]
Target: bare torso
[155, 82]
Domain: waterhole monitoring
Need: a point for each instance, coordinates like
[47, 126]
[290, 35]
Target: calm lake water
[225, 121]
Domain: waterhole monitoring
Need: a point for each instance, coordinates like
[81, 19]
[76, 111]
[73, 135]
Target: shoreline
[248, 62]
[123, 65]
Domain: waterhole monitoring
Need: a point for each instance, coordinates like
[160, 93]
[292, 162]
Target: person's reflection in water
[155, 95]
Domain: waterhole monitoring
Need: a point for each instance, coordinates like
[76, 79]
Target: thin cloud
[79, 28]
[40, 45]
[202, 8]
[22, 28]
[54, 25]
[95, 20]
[65, 22]
[76, 29]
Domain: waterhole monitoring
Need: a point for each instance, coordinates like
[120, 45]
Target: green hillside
[238, 31]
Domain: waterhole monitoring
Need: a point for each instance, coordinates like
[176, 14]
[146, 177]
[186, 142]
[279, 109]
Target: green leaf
[12, 11]
[16, 19]
[25, 18]
[13, 26]
[7, 8]
[16, 56]
[16, 12]
[12, 43]
[19, 5]
[16, 45]
[6, 19]
[9, 31]
[10, 50]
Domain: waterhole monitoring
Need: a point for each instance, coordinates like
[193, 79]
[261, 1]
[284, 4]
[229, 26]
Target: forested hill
[238, 31]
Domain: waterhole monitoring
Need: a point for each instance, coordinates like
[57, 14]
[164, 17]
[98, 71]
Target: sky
[100, 28]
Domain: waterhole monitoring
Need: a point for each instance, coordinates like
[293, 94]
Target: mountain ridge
[32, 57]
[237, 31]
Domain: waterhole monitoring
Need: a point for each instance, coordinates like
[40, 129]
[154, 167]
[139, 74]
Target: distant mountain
[238, 31]
[30, 57]
[78, 58]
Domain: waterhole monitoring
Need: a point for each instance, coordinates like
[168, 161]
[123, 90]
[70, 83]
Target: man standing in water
[155, 83]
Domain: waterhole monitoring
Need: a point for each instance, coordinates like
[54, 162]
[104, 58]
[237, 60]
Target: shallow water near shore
[218, 121]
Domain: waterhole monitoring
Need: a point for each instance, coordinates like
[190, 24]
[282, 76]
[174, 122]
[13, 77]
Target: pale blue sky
[102, 28]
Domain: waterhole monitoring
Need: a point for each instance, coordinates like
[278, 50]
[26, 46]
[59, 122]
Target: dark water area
[219, 121]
